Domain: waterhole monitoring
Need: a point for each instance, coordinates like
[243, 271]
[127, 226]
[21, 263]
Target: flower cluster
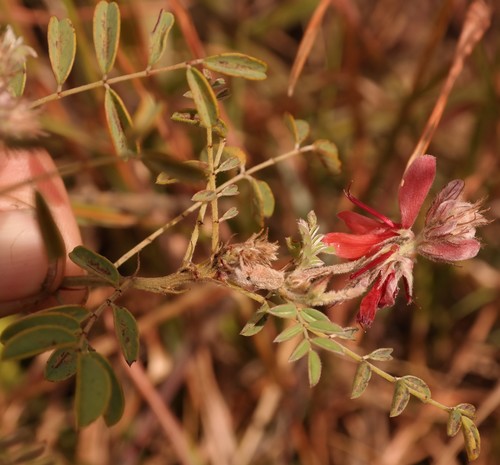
[385, 251]
[17, 119]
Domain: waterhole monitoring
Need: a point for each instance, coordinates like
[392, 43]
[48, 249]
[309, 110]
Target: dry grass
[201, 393]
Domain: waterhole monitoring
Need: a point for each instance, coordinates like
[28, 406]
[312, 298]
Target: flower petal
[389, 291]
[354, 246]
[360, 224]
[450, 251]
[369, 306]
[415, 186]
[451, 191]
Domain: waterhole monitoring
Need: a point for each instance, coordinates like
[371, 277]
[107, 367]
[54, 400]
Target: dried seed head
[248, 264]
[17, 119]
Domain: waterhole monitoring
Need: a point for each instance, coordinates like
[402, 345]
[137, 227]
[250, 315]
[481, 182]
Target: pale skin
[27, 280]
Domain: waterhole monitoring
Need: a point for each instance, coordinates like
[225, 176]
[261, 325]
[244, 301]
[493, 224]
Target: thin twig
[173, 431]
[148, 240]
[477, 21]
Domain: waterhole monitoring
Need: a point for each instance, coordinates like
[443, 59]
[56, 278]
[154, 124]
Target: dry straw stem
[169, 424]
[477, 21]
[306, 44]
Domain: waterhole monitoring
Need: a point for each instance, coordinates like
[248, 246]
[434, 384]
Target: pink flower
[450, 226]
[386, 249]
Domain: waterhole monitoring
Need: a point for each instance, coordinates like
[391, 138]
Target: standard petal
[360, 224]
[354, 246]
[415, 186]
[449, 251]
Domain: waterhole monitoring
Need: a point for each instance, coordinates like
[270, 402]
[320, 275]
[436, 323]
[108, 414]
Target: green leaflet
[361, 379]
[77, 312]
[205, 195]
[471, 438]
[95, 264]
[400, 398]
[106, 29]
[256, 323]
[119, 124]
[62, 48]
[263, 199]
[381, 355]
[40, 319]
[127, 333]
[289, 333]
[159, 36]
[303, 347]
[284, 311]
[61, 365]
[329, 155]
[204, 98]
[313, 367]
[17, 82]
[238, 65]
[299, 128]
[36, 340]
[116, 404]
[93, 388]
[328, 344]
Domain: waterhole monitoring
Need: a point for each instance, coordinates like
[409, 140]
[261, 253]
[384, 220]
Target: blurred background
[369, 84]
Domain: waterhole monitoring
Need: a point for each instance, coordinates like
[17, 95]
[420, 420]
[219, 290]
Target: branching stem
[114, 80]
[148, 240]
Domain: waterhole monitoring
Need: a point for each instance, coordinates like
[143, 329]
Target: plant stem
[98, 312]
[392, 379]
[102, 82]
[148, 240]
[214, 205]
[375, 369]
[188, 257]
